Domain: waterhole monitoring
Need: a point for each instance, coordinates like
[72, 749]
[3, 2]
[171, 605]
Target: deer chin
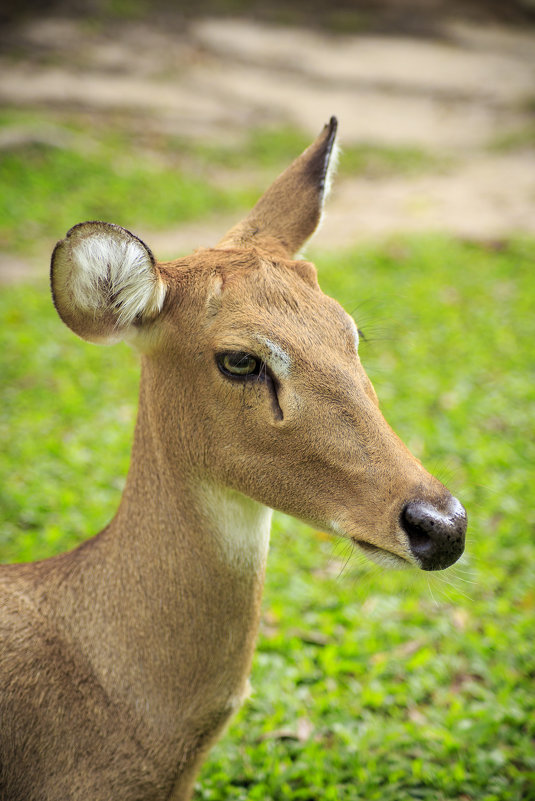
[382, 557]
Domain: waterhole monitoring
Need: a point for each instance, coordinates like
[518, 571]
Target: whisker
[431, 592]
[346, 562]
[446, 583]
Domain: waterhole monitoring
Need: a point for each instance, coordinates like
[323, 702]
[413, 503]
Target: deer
[121, 661]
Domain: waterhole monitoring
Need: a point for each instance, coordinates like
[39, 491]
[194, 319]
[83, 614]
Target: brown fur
[121, 661]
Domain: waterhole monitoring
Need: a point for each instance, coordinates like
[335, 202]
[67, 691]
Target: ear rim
[330, 158]
[101, 323]
[312, 173]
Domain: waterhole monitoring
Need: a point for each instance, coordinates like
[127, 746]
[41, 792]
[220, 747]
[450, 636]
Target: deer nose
[436, 538]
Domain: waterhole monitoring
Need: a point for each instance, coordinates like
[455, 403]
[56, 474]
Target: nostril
[435, 539]
[420, 541]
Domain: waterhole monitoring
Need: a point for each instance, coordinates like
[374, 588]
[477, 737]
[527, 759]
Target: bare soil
[468, 94]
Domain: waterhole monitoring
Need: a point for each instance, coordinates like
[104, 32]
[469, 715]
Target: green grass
[368, 684]
[522, 138]
[275, 148]
[109, 170]
[377, 160]
[106, 181]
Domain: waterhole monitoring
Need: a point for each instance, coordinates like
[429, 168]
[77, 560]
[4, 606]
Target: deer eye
[239, 364]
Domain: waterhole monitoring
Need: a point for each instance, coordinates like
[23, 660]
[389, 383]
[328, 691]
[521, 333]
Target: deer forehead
[279, 308]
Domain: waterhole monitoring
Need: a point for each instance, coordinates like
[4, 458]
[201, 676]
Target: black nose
[435, 538]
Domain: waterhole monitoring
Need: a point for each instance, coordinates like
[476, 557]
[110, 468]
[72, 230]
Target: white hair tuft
[115, 272]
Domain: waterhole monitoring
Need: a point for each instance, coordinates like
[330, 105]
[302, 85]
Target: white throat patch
[355, 334]
[241, 526]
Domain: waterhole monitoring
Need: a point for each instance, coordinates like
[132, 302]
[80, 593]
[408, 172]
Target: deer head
[251, 377]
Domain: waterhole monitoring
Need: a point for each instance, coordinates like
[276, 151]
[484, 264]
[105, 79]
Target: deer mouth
[382, 557]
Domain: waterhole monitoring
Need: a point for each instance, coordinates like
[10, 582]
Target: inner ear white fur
[103, 279]
[332, 167]
[330, 174]
[117, 271]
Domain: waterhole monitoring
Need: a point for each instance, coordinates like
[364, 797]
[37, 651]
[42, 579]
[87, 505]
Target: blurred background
[436, 103]
[170, 119]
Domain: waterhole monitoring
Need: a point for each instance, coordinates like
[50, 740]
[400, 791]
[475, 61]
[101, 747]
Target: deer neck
[170, 503]
[187, 559]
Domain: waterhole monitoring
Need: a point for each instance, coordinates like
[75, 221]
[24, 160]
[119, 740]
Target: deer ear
[104, 279]
[290, 211]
